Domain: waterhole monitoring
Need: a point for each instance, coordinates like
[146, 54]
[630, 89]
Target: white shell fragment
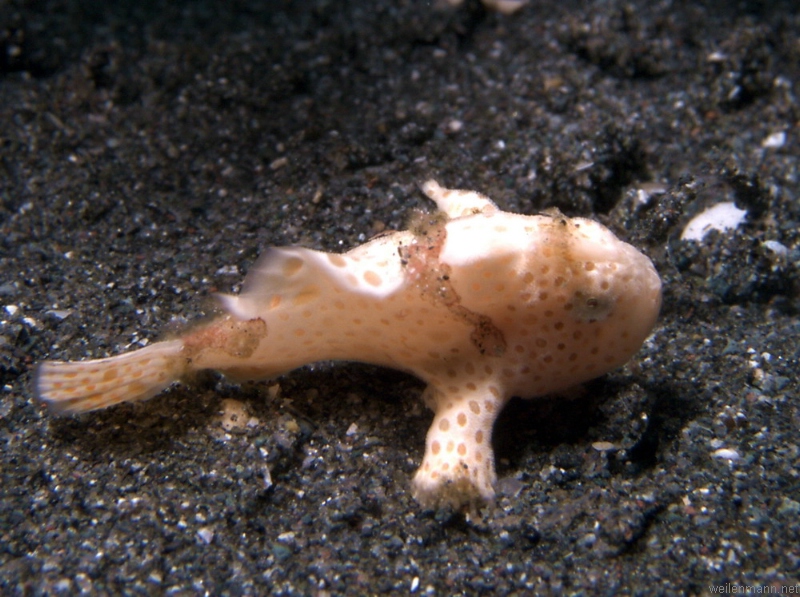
[505, 7]
[722, 216]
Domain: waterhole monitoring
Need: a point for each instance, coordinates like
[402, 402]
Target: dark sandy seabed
[150, 153]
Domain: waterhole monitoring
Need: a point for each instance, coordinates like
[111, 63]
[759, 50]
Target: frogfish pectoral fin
[458, 466]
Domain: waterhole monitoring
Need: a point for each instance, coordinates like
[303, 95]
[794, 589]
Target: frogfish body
[479, 303]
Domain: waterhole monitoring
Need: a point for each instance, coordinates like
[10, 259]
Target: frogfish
[481, 304]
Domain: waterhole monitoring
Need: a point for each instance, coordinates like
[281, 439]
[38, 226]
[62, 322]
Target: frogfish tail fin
[81, 386]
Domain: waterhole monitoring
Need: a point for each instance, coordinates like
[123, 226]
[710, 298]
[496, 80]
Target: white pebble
[206, 535]
[414, 584]
[603, 446]
[726, 454]
[233, 415]
[774, 140]
[454, 126]
[279, 163]
[776, 247]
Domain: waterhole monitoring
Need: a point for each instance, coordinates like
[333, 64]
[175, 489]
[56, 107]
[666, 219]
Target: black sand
[149, 154]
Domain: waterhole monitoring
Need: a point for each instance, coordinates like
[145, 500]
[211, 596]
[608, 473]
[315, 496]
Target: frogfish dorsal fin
[286, 277]
[456, 203]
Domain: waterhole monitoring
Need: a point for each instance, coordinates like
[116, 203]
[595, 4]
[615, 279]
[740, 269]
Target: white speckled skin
[481, 304]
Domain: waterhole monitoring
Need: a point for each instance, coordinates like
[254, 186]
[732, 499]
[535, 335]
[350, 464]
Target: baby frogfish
[479, 303]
